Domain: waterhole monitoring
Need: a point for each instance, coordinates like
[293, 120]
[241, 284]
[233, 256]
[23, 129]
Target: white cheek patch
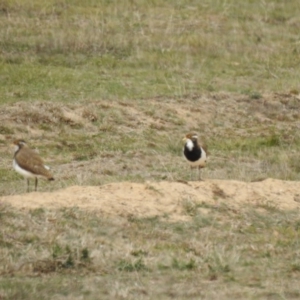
[189, 144]
[16, 148]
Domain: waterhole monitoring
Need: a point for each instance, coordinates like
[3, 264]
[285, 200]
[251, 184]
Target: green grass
[109, 50]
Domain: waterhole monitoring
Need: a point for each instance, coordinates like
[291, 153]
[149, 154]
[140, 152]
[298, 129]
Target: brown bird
[29, 164]
[194, 153]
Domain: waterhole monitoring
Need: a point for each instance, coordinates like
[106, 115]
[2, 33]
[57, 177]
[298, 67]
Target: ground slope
[174, 200]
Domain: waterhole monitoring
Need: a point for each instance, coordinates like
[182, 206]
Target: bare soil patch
[164, 198]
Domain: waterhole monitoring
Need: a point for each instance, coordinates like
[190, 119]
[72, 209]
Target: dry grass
[105, 90]
[104, 141]
[223, 254]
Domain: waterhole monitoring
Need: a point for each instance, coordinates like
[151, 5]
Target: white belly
[22, 171]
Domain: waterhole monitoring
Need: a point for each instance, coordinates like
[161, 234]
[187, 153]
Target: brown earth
[73, 130]
[169, 199]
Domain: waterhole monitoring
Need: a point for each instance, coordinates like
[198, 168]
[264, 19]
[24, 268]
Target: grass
[149, 258]
[105, 90]
[106, 50]
[106, 141]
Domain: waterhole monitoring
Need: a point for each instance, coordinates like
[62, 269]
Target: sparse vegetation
[105, 90]
[246, 252]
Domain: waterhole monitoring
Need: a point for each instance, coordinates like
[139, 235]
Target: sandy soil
[163, 198]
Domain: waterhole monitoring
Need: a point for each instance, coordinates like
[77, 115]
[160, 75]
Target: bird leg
[191, 175]
[27, 185]
[36, 183]
[199, 174]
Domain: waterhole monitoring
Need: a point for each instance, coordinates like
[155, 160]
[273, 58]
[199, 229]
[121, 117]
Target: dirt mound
[172, 199]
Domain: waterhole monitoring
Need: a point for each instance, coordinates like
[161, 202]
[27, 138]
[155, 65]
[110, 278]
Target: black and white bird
[29, 164]
[194, 153]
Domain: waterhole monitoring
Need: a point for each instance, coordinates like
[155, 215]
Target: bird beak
[184, 139]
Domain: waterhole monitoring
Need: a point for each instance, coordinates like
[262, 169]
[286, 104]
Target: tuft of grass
[135, 266]
[181, 265]
[190, 207]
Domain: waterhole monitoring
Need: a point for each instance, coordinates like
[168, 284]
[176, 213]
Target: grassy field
[105, 90]
[82, 50]
[226, 254]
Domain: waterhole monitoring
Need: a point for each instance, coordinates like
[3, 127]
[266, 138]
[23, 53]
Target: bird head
[18, 144]
[191, 136]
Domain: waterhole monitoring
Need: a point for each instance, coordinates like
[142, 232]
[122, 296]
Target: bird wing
[204, 147]
[31, 161]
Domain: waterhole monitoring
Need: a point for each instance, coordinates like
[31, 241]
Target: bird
[195, 154]
[29, 164]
